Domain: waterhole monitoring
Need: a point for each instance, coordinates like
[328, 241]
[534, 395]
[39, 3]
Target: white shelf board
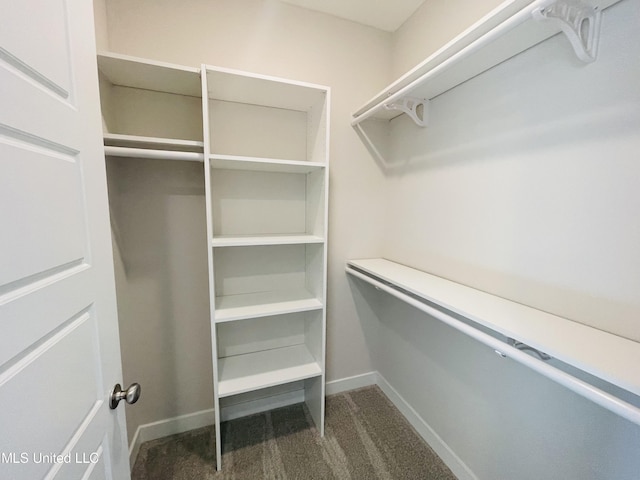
[610, 357]
[256, 240]
[503, 33]
[239, 307]
[253, 371]
[135, 72]
[153, 143]
[233, 162]
[237, 86]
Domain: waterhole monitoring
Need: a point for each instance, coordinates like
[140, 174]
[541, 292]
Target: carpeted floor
[366, 438]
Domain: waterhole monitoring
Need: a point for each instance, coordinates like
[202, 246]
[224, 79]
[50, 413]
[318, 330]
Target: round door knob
[130, 395]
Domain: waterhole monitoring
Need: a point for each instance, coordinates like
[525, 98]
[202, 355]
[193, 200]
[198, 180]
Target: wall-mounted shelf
[505, 32]
[126, 71]
[600, 354]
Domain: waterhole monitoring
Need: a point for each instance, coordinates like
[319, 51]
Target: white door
[59, 346]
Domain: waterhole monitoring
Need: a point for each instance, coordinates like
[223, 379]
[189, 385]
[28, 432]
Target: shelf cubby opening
[260, 353]
[284, 120]
[257, 281]
[147, 104]
[249, 203]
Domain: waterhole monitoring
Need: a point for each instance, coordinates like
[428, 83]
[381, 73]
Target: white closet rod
[509, 24]
[604, 399]
[153, 154]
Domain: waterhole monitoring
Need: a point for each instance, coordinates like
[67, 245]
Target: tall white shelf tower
[266, 181]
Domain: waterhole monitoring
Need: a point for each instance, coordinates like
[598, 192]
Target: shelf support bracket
[416, 108]
[578, 21]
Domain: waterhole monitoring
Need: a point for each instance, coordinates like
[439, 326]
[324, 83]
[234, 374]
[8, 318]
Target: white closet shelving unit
[508, 30]
[593, 363]
[604, 356]
[266, 177]
[264, 144]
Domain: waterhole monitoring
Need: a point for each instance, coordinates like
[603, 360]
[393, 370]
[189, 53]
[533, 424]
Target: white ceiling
[386, 15]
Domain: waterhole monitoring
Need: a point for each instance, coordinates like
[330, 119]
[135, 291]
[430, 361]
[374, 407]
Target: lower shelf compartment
[253, 371]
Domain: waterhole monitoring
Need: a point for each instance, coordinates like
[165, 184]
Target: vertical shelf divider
[210, 253]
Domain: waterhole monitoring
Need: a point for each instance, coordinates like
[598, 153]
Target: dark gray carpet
[366, 438]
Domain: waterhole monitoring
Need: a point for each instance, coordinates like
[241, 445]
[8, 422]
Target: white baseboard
[166, 427]
[184, 423]
[448, 456]
[134, 448]
[351, 383]
[203, 418]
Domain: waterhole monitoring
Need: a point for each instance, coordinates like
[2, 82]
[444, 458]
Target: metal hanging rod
[153, 154]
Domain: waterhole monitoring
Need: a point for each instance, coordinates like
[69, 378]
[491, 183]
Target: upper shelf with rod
[150, 109]
[513, 27]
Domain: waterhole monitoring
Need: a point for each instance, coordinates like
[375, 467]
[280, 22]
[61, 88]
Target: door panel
[64, 370]
[47, 313]
[35, 114]
[80, 463]
[45, 56]
[94, 473]
[48, 221]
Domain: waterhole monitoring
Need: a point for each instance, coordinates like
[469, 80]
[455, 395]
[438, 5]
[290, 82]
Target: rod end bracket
[416, 108]
[580, 23]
